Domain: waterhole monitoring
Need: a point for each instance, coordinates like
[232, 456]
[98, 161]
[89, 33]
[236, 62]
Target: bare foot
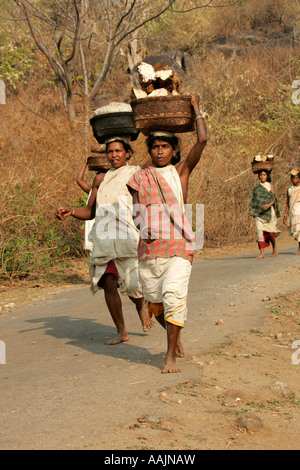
[119, 338]
[143, 312]
[275, 253]
[170, 368]
[146, 319]
[260, 257]
[179, 349]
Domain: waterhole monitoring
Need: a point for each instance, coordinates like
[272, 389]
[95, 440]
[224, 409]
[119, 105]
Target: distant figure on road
[265, 211]
[292, 213]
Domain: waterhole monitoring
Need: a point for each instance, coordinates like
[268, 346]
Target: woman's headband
[162, 134]
[124, 138]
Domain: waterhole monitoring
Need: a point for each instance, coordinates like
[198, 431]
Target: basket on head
[95, 148]
[170, 113]
[261, 166]
[98, 163]
[114, 119]
[295, 171]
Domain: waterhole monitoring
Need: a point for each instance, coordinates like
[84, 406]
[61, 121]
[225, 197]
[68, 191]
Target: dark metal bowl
[114, 124]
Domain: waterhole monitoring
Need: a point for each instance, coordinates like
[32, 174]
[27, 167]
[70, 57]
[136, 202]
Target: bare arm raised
[186, 167]
[80, 179]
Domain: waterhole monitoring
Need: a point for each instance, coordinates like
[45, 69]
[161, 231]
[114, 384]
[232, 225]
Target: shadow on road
[87, 334]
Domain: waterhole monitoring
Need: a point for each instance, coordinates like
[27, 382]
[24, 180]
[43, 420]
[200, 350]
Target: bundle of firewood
[159, 80]
[264, 158]
[264, 162]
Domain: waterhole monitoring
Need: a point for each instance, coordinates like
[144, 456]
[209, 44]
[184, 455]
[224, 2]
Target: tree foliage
[70, 33]
[73, 33]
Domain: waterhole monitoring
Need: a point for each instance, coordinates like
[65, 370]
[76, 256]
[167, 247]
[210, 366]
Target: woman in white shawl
[114, 262]
[88, 226]
[292, 213]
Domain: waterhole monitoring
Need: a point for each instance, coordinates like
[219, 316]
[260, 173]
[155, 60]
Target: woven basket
[98, 162]
[168, 113]
[112, 125]
[260, 166]
[96, 149]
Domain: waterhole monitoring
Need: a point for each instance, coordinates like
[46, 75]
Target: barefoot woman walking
[114, 262]
[292, 213]
[264, 209]
[166, 244]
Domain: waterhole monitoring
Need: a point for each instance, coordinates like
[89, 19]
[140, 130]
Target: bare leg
[179, 346]
[298, 250]
[147, 321]
[274, 245]
[114, 304]
[262, 253]
[173, 332]
[161, 321]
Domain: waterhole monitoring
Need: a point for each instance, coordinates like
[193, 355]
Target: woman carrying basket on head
[166, 241]
[265, 211]
[114, 262]
[292, 213]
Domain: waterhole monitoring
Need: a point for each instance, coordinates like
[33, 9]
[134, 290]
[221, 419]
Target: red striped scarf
[163, 215]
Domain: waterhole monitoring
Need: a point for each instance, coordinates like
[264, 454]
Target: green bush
[32, 241]
[16, 62]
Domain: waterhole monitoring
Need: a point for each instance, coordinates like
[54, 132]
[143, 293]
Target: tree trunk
[71, 107]
[135, 51]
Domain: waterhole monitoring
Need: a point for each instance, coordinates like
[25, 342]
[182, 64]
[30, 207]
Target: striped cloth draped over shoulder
[162, 215]
[261, 196]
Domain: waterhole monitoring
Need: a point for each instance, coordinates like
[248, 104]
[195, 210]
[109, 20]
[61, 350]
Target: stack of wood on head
[158, 104]
[98, 160]
[295, 171]
[114, 120]
[159, 80]
[260, 163]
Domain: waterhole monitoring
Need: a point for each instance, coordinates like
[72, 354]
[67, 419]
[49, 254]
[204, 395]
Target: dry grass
[248, 100]
[40, 158]
[200, 27]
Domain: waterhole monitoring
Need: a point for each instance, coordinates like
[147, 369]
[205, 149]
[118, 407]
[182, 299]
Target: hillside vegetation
[241, 60]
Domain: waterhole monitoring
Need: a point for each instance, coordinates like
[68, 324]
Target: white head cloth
[162, 134]
[124, 138]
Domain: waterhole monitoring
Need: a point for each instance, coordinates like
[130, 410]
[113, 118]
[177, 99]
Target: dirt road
[62, 388]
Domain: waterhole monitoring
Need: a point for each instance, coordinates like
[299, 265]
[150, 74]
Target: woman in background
[265, 211]
[292, 213]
